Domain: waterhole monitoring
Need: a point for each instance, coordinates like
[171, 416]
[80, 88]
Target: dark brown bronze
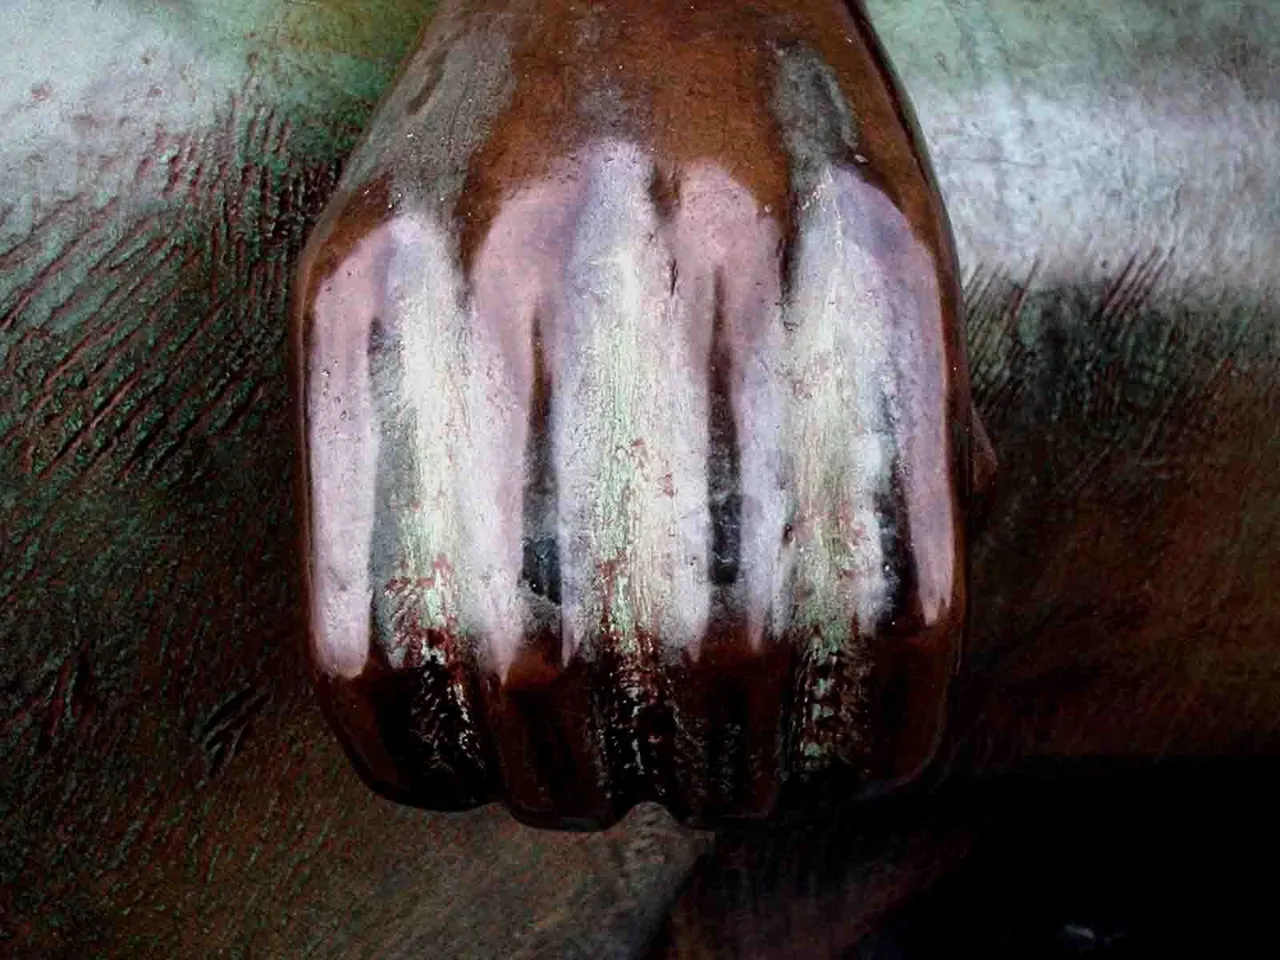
[635, 417]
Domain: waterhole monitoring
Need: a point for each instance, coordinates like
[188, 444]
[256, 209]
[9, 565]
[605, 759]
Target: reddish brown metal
[635, 416]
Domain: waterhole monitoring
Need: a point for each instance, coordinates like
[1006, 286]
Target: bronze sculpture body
[635, 416]
[171, 788]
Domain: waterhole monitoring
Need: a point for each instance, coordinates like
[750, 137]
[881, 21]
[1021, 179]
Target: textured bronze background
[168, 784]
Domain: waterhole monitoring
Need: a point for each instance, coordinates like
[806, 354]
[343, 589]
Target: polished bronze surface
[635, 419]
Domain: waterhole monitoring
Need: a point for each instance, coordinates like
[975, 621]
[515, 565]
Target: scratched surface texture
[168, 785]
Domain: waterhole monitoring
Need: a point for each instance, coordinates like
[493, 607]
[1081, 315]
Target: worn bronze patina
[635, 416]
[170, 786]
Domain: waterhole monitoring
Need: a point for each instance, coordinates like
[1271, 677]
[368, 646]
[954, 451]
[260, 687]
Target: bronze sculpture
[635, 416]
[1107, 168]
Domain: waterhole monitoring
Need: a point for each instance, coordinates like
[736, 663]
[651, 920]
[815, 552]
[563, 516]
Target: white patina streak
[919, 402]
[462, 548]
[720, 230]
[342, 439]
[517, 279]
[839, 438]
[630, 424]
